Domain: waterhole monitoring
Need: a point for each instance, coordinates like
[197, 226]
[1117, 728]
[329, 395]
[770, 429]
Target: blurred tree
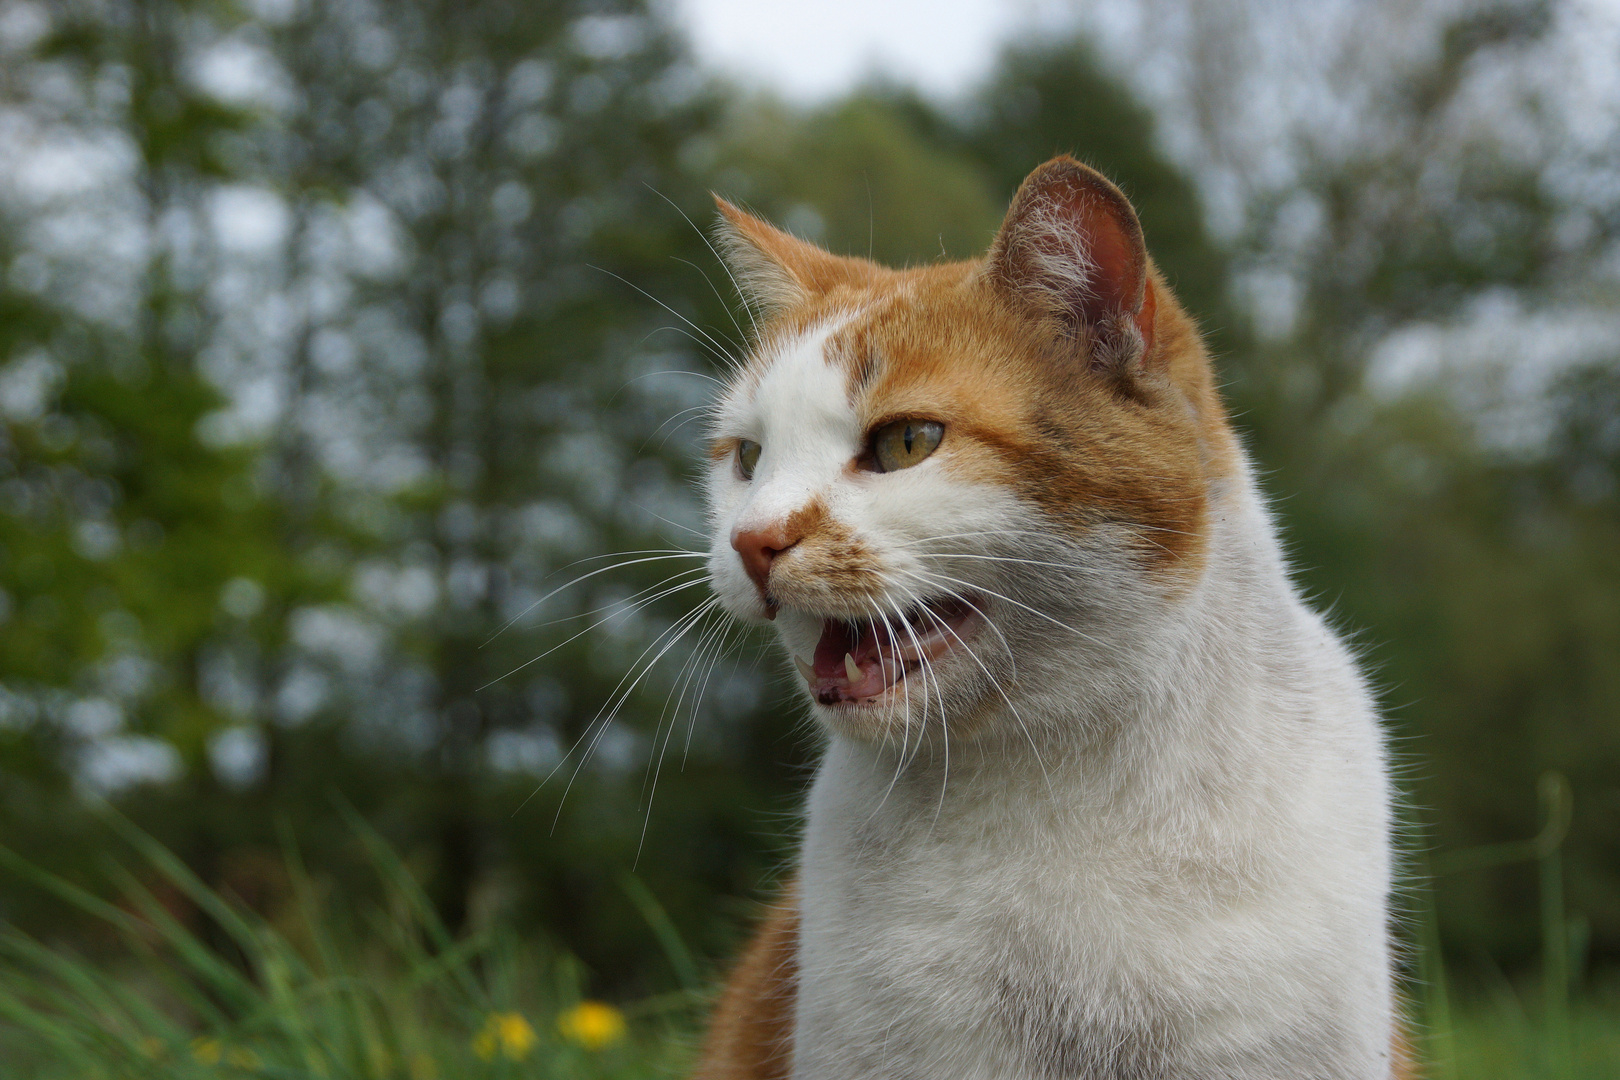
[124, 533]
[386, 360]
[880, 189]
[1449, 538]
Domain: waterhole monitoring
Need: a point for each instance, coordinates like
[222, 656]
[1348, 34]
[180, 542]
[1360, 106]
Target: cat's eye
[747, 458]
[905, 443]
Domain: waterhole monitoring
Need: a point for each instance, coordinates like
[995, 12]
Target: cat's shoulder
[751, 1030]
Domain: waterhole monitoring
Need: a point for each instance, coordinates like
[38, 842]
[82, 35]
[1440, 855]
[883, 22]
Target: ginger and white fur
[1134, 821]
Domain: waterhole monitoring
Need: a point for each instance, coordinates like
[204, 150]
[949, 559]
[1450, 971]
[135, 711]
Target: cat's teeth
[806, 670]
[851, 669]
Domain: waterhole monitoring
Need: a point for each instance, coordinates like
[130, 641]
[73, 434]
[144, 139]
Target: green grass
[1499, 1040]
[1552, 1034]
[388, 995]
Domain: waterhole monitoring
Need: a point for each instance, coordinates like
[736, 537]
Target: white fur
[1165, 851]
[806, 432]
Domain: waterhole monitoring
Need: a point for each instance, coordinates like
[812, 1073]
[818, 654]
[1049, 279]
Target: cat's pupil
[908, 436]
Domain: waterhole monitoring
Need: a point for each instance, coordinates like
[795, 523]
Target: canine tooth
[806, 670]
[851, 668]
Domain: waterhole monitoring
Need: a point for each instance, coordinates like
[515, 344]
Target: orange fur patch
[1023, 411]
[827, 568]
[751, 1031]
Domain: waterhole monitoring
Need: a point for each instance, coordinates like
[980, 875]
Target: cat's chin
[876, 665]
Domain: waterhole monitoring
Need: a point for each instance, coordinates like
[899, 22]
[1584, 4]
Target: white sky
[814, 49]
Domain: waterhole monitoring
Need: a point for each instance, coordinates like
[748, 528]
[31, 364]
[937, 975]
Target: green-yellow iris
[747, 458]
[905, 443]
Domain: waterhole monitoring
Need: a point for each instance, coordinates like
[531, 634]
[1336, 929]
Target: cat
[1101, 797]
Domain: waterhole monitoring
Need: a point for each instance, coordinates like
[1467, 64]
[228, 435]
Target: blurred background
[337, 337]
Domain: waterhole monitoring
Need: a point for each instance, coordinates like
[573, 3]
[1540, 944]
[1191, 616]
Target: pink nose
[760, 547]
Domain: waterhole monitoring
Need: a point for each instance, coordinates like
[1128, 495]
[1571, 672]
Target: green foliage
[474, 208]
[879, 189]
[1497, 1037]
[191, 983]
[1475, 565]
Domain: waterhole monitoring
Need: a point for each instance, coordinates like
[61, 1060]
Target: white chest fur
[1196, 887]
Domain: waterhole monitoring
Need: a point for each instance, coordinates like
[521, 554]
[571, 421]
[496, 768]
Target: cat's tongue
[850, 663]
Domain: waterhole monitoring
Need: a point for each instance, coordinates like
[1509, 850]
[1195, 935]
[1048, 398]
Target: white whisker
[671, 420]
[740, 342]
[719, 351]
[651, 790]
[1016, 603]
[654, 555]
[1030, 738]
[905, 727]
[684, 528]
[1071, 567]
[621, 694]
[717, 655]
[614, 613]
[741, 293]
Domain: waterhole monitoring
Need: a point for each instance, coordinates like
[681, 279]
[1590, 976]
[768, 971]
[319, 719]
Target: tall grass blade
[1557, 802]
[669, 939]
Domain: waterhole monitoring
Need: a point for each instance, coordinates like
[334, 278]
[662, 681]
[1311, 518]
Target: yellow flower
[208, 1051]
[592, 1024]
[505, 1033]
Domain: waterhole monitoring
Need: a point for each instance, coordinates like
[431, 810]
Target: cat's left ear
[1071, 247]
[777, 270]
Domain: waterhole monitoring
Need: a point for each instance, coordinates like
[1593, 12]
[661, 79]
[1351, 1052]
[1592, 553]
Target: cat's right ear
[775, 270]
[1071, 248]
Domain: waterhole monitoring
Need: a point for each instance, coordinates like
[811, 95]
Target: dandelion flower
[209, 1051]
[506, 1034]
[592, 1024]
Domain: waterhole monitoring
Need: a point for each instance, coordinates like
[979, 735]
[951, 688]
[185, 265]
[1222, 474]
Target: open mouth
[858, 663]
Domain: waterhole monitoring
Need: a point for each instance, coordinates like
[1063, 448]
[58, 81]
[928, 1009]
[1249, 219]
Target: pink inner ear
[1072, 236]
[1116, 278]
[1144, 317]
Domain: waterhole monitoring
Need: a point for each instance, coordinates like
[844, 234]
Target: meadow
[184, 982]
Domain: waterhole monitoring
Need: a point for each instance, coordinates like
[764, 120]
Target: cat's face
[948, 486]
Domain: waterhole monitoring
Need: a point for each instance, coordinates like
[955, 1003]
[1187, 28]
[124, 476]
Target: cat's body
[1102, 798]
[1197, 891]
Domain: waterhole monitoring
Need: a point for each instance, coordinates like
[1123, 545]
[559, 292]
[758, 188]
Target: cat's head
[949, 486]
